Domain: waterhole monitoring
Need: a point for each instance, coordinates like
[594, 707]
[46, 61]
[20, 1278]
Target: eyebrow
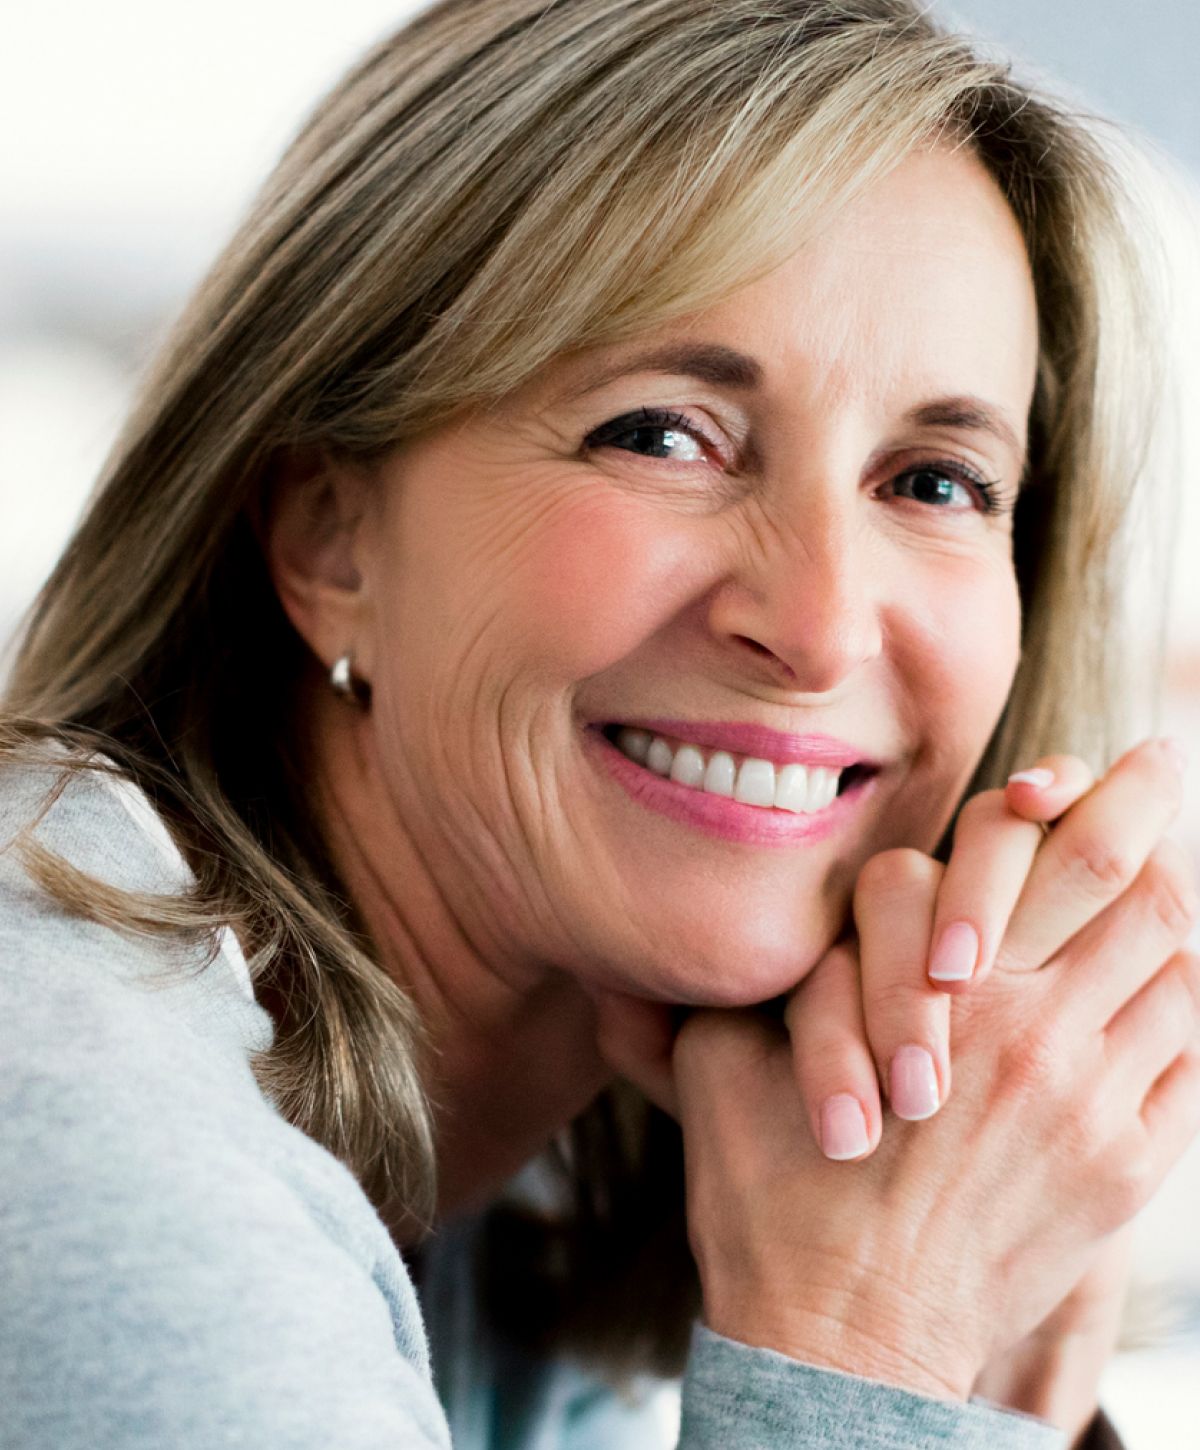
[725, 367]
[710, 362]
[968, 413]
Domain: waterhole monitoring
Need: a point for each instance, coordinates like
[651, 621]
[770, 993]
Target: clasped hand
[945, 1244]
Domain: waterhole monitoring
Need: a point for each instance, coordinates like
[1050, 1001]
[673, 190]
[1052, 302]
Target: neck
[513, 1056]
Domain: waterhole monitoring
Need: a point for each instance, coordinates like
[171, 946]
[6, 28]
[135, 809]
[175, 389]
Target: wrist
[889, 1347]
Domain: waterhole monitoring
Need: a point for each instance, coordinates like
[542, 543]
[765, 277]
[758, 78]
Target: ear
[309, 523]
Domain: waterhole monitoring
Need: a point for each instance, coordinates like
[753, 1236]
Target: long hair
[499, 182]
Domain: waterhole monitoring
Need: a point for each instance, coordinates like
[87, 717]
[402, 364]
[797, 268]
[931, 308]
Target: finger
[907, 1018]
[1171, 1112]
[1154, 1027]
[1107, 962]
[636, 1039]
[988, 866]
[996, 837]
[1044, 791]
[1093, 854]
[832, 1060]
[735, 1087]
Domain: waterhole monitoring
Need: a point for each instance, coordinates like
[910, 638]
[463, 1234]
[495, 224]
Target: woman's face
[797, 519]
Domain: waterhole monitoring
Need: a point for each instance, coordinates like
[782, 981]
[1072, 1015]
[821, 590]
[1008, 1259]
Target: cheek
[966, 633]
[986, 642]
[960, 652]
[601, 577]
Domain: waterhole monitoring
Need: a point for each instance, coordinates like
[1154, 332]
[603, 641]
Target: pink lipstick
[722, 816]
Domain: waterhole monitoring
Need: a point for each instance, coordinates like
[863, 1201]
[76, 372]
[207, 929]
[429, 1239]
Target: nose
[803, 606]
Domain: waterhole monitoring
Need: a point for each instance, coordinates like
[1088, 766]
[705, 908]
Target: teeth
[635, 743]
[719, 777]
[688, 766]
[755, 783]
[801, 789]
[659, 756]
[791, 788]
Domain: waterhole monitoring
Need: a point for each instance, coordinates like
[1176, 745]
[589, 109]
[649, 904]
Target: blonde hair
[498, 183]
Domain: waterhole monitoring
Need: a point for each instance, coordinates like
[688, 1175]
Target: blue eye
[652, 433]
[942, 484]
[660, 433]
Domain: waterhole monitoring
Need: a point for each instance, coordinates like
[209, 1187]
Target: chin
[699, 962]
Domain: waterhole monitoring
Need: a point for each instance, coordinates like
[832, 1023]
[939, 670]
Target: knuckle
[1170, 878]
[896, 1000]
[1127, 1185]
[1086, 1129]
[824, 1067]
[1101, 868]
[895, 870]
[1032, 1063]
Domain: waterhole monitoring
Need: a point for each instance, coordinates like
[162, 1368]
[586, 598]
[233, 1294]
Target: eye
[951, 486]
[653, 433]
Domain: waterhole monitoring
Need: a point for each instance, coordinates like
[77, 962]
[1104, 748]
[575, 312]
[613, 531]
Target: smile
[737, 795]
[801, 789]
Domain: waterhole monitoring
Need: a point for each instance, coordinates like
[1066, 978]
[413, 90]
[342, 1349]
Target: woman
[641, 467]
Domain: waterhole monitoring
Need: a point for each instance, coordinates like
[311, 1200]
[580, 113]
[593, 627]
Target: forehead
[922, 282]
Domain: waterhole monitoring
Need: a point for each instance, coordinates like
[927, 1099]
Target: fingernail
[1039, 776]
[1174, 752]
[913, 1084]
[843, 1127]
[955, 954]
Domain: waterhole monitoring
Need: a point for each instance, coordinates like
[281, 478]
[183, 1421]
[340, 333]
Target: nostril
[762, 650]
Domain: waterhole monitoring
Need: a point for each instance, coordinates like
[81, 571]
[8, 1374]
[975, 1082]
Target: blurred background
[136, 131]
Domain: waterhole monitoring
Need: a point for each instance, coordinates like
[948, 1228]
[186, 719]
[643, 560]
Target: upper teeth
[799, 788]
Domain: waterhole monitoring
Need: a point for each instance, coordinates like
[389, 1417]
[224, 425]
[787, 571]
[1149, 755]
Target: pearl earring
[346, 684]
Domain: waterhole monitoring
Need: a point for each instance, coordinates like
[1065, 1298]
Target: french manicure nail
[955, 954]
[843, 1128]
[913, 1084]
[1039, 776]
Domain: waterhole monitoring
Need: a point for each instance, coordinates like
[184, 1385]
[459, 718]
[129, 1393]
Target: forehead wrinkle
[855, 368]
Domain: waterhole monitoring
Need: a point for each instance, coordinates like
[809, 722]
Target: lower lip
[720, 816]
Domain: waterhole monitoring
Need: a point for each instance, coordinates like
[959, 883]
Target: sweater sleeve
[179, 1266]
[737, 1397]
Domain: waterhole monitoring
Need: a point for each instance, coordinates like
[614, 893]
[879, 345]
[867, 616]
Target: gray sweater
[181, 1269]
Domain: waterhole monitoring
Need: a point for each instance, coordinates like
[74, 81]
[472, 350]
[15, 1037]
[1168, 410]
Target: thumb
[636, 1038]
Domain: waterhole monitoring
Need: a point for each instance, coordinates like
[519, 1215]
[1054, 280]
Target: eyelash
[958, 472]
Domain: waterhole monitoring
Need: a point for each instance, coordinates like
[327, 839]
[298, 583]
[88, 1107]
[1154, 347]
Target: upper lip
[745, 737]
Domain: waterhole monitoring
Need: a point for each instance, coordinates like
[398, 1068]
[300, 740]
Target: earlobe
[308, 525]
